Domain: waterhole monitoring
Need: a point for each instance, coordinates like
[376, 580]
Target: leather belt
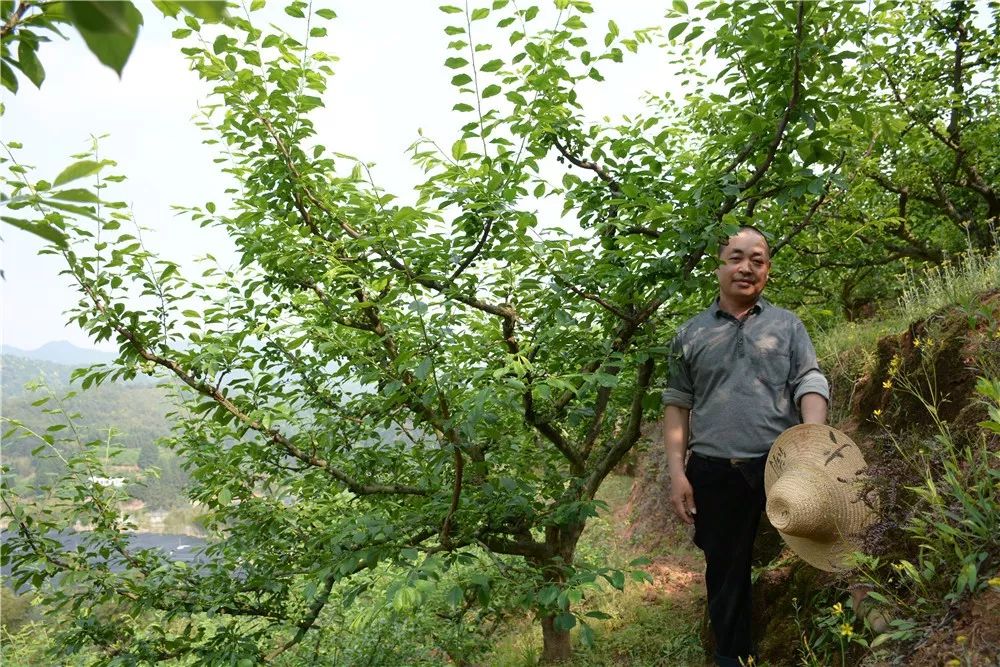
[728, 461]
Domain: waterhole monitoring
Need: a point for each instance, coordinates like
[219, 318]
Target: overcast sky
[389, 82]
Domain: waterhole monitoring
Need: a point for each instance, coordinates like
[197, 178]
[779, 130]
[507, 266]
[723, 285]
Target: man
[741, 372]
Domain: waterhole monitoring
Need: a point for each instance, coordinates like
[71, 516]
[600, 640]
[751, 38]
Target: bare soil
[970, 638]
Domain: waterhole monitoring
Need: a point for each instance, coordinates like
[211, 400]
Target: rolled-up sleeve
[806, 375]
[680, 388]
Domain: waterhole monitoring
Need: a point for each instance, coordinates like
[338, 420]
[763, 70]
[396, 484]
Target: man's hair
[747, 228]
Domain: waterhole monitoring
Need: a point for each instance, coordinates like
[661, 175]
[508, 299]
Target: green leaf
[816, 185]
[565, 621]
[207, 10]
[480, 13]
[586, 635]
[7, 76]
[491, 90]
[677, 30]
[680, 6]
[607, 380]
[75, 194]
[461, 79]
[109, 29]
[28, 62]
[455, 63]
[326, 13]
[225, 496]
[449, 9]
[77, 170]
[423, 369]
[41, 229]
[492, 65]
[458, 149]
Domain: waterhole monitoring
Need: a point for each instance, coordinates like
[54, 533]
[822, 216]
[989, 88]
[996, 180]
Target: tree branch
[600, 412]
[272, 434]
[474, 252]
[14, 19]
[546, 428]
[314, 610]
[629, 435]
[807, 220]
[430, 283]
[522, 547]
[793, 101]
[456, 494]
[607, 305]
[601, 172]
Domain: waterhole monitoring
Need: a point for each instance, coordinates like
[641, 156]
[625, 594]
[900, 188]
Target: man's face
[744, 267]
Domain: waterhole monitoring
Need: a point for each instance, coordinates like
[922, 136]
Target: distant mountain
[62, 352]
[17, 371]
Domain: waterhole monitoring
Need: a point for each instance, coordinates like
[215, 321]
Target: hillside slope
[910, 401]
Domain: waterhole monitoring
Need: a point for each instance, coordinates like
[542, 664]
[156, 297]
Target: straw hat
[812, 482]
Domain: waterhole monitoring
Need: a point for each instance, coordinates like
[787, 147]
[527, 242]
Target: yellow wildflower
[894, 365]
[876, 413]
[917, 342]
[995, 581]
[954, 662]
[887, 384]
[961, 639]
[846, 630]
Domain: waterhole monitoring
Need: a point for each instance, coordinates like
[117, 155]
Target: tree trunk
[562, 540]
[555, 643]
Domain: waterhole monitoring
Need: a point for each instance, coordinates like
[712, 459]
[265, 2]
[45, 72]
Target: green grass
[849, 348]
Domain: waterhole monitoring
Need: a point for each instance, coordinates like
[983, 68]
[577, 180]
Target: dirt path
[666, 614]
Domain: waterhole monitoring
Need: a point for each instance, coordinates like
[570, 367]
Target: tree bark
[561, 541]
[556, 647]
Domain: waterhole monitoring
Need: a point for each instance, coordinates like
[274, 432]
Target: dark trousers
[729, 498]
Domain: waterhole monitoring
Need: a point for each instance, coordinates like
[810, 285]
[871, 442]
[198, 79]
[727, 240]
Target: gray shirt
[742, 379]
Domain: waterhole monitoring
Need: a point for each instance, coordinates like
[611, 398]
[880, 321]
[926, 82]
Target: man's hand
[675, 437]
[682, 498]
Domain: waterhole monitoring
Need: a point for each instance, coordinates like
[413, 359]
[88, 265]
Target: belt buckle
[737, 462]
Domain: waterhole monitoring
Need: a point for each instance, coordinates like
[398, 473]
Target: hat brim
[826, 450]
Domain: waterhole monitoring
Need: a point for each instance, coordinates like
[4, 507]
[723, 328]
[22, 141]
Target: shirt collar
[761, 304]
